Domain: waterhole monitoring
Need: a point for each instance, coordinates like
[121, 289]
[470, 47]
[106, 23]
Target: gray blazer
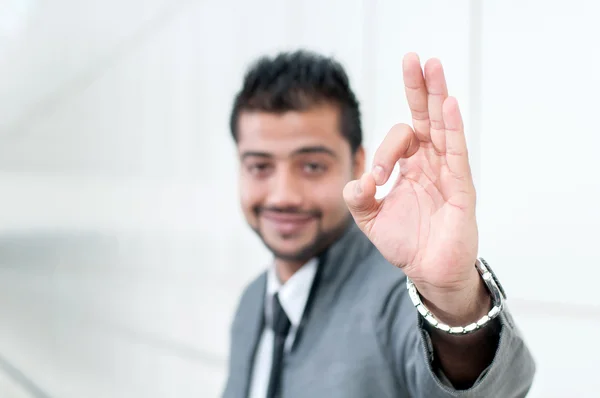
[361, 337]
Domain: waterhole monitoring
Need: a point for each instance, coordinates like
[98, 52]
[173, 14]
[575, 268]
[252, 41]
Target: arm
[431, 364]
[427, 226]
[462, 359]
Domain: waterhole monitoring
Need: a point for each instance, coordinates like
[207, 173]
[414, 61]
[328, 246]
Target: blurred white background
[122, 248]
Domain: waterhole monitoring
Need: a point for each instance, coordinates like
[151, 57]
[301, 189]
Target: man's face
[293, 169]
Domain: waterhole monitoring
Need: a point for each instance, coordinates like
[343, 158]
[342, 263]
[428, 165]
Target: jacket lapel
[255, 322]
[246, 331]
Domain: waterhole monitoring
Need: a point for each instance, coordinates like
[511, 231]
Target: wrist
[459, 305]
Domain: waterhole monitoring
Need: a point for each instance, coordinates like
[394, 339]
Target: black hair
[297, 81]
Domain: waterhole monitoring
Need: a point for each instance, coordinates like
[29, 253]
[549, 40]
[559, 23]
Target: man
[365, 297]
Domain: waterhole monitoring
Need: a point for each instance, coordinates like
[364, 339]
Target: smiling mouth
[287, 223]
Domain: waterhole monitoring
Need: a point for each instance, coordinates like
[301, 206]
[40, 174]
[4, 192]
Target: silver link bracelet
[493, 286]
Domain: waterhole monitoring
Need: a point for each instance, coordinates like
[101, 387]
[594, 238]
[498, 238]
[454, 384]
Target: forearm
[462, 358]
[492, 362]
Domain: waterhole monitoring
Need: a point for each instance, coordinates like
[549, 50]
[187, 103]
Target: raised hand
[426, 225]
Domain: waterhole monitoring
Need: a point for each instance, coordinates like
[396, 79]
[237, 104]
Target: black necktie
[281, 326]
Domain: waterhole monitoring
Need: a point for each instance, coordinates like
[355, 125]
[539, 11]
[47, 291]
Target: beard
[322, 239]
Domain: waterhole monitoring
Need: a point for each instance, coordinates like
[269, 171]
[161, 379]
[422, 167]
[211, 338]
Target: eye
[259, 169]
[314, 168]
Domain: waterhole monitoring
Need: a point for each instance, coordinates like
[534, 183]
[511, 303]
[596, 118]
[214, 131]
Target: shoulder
[255, 288]
[381, 278]
[388, 305]
[383, 290]
[251, 298]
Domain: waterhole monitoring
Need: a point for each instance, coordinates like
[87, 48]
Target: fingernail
[378, 175]
[357, 188]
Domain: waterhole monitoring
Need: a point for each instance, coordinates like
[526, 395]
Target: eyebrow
[300, 151]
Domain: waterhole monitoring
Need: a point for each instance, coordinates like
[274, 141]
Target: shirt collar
[293, 294]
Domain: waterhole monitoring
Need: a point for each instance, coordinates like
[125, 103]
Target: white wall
[123, 168]
[539, 190]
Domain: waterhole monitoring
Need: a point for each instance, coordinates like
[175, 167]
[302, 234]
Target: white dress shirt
[293, 296]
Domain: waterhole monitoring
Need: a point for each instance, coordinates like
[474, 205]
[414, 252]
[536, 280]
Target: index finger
[399, 143]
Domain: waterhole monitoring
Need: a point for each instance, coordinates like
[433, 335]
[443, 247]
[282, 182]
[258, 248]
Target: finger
[416, 95]
[437, 92]
[457, 157]
[400, 142]
[360, 199]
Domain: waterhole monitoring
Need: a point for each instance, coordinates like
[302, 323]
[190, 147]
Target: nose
[285, 190]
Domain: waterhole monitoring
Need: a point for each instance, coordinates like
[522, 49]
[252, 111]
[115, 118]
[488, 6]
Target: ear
[358, 163]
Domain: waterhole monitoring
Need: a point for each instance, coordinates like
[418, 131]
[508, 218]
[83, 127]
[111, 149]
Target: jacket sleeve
[401, 333]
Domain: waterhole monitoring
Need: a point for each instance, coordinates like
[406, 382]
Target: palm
[426, 224]
[420, 228]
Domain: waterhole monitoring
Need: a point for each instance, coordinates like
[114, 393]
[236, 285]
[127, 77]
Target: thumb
[360, 198]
